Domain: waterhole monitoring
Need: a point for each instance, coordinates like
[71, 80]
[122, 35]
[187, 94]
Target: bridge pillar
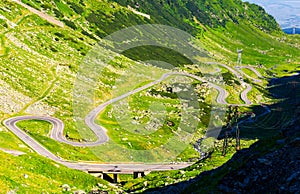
[135, 175]
[115, 178]
[138, 174]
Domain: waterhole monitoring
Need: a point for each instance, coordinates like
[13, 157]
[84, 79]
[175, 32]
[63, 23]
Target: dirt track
[50, 19]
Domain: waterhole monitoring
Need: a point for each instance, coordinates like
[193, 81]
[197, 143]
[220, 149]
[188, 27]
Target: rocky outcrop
[275, 172]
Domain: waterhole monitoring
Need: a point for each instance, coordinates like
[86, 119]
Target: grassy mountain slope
[32, 174]
[39, 62]
[270, 164]
[219, 24]
[184, 13]
[224, 27]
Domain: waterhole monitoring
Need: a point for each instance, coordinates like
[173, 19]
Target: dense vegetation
[39, 62]
[184, 14]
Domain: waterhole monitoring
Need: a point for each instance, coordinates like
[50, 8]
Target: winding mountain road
[239, 68]
[243, 94]
[254, 70]
[100, 132]
[56, 134]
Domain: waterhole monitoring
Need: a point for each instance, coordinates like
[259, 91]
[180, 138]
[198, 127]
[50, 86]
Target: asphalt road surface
[100, 132]
[241, 80]
[239, 68]
[56, 133]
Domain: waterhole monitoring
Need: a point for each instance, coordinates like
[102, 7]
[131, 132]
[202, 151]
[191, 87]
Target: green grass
[135, 141]
[252, 41]
[147, 53]
[36, 127]
[132, 131]
[43, 176]
[281, 70]
[250, 73]
[46, 72]
[9, 141]
[40, 130]
[63, 8]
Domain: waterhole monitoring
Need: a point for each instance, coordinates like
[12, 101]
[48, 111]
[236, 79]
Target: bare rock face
[275, 172]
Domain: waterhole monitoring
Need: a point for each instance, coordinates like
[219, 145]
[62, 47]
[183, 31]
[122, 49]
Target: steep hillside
[186, 14]
[223, 26]
[270, 165]
[42, 48]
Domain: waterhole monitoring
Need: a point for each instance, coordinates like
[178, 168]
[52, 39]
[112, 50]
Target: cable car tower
[239, 60]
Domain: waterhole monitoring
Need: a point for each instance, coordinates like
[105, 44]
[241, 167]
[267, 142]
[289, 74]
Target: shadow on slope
[269, 128]
[286, 91]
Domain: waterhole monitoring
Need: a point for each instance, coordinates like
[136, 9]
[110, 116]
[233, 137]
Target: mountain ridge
[39, 62]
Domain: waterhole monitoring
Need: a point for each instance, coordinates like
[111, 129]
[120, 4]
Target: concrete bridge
[115, 172]
[138, 170]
